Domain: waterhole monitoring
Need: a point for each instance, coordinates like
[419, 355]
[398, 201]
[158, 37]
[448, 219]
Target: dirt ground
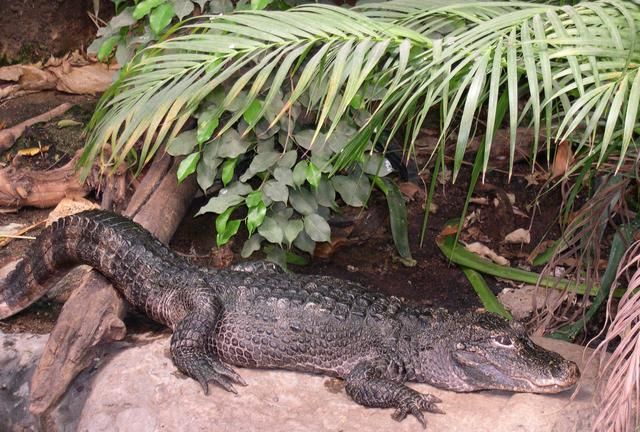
[32, 30]
[365, 254]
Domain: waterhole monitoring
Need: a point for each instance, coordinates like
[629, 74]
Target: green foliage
[570, 71]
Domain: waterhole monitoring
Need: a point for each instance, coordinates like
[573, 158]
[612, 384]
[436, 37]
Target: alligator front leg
[193, 349]
[380, 386]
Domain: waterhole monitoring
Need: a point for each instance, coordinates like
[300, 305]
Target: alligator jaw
[557, 385]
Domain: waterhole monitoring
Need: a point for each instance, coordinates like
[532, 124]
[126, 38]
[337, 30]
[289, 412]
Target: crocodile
[258, 316]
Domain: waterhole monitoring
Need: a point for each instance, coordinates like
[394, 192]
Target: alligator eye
[503, 340]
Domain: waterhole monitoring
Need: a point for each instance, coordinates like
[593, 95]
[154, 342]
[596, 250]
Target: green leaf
[317, 228]
[182, 8]
[295, 259]
[226, 198]
[183, 144]
[313, 174]
[188, 166]
[222, 219]
[208, 166]
[325, 194]
[231, 144]
[397, 218]
[342, 134]
[161, 17]
[353, 190]
[252, 113]
[230, 230]
[300, 173]
[144, 7]
[256, 216]
[207, 123]
[251, 245]
[302, 201]
[377, 165]
[261, 162]
[357, 102]
[228, 168]
[276, 190]
[488, 298]
[304, 242]
[288, 159]
[291, 231]
[260, 4]
[283, 175]
[107, 46]
[304, 139]
[254, 199]
[206, 172]
[276, 255]
[271, 230]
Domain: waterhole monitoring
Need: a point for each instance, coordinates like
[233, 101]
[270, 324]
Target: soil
[363, 250]
[32, 30]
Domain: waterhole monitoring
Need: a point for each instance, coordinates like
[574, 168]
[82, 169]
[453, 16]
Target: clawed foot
[414, 404]
[218, 373]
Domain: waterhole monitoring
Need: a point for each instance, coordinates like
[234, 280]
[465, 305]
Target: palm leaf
[246, 51]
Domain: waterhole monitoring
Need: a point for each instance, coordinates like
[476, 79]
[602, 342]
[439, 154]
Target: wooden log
[92, 317]
[42, 189]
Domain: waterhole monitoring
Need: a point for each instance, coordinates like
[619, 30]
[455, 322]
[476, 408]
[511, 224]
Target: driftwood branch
[43, 189]
[10, 135]
[93, 315]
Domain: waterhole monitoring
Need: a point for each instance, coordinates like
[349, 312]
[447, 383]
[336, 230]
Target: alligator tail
[117, 247]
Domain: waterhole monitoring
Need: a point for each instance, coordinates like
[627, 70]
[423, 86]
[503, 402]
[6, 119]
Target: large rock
[135, 387]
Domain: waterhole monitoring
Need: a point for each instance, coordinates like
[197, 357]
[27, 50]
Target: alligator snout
[567, 376]
[564, 375]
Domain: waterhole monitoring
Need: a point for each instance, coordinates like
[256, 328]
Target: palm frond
[256, 52]
[580, 64]
[620, 375]
[563, 52]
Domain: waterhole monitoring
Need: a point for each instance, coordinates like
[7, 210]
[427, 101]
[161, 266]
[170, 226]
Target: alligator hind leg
[379, 385]
[193, 352]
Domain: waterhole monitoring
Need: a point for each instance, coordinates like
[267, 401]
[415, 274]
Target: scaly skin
[254, 315]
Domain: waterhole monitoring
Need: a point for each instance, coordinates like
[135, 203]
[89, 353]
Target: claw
[224, 383]
[415, 405]
[228, 373]
[429, 398]
[435, 409]
[205, 386]
[418, 414]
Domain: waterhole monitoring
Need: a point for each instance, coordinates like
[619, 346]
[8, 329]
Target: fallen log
[92, 317]
[43, 189]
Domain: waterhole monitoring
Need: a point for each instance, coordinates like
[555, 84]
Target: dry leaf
[71, 74]
[518, 236]
[448, 230]
[535, 178]
[518, 212]
[33, 151]
[222, 256]
[563, 160]
[485, 252]
[327, 249]
[409, 190]
[479, 200]
[11, 229]
[69, 206]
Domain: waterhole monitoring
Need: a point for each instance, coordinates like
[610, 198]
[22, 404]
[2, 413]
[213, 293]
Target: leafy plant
[568, 69]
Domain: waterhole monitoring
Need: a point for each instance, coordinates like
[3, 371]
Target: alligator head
[482, 351]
